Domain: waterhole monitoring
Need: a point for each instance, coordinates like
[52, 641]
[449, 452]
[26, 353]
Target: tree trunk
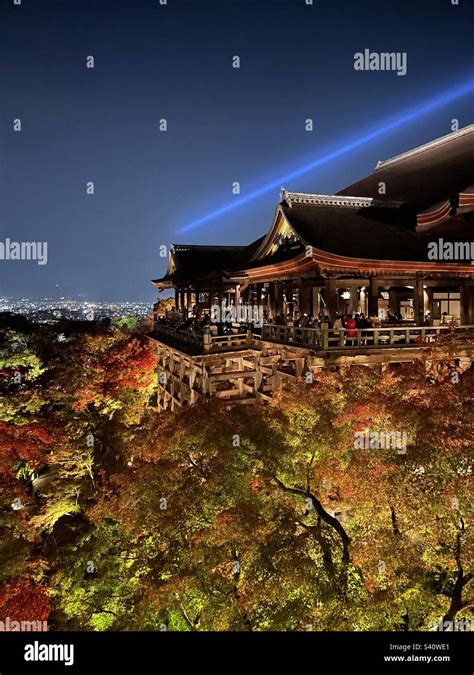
[324, 515]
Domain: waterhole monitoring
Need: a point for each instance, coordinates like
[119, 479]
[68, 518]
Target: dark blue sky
[224, 124]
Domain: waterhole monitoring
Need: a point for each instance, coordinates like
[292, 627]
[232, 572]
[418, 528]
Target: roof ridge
[345, 201]
[193, 246]
[325, 200]
[426, 146]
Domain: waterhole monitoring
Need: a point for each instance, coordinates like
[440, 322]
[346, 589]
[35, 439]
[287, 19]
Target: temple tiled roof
[425, 175]
[349, 232]
[353, 234]
[191, 261]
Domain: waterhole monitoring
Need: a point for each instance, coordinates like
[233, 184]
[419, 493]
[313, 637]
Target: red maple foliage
[27, 442]
[21, 600]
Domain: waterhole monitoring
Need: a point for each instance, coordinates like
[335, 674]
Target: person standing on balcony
[351, 332]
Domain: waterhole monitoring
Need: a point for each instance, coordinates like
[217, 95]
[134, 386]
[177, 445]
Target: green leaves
[233, 518]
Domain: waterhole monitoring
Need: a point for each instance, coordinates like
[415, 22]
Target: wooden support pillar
[210, 296]
[311, 300]
[373, 297]
[467, 310]
[304, 298]
[354, 300]
[429, 292]
[176, 299]
[331, 298]
[188, 302]
[392, 300]
[272, 299]
[246, 295]
[316, 308]
[208, 302]
[278, 297]
[363, 300]
[419, 302]
[259, 289]
[289, 297]
[266, 299]
[207, 343]
[237, 296]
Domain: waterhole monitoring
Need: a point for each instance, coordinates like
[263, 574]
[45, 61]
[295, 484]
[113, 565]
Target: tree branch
[323, 514]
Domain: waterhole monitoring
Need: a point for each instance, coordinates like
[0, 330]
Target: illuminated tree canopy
[243, 518]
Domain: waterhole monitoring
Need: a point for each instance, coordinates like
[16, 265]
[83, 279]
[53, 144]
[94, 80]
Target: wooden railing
[227, 342]
[328, 338]
[206, 341]
[177, 334]
[313, 338]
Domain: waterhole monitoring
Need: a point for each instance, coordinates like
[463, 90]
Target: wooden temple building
[398, 242]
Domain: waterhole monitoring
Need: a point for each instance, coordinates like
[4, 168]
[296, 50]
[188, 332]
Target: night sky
[174, 61]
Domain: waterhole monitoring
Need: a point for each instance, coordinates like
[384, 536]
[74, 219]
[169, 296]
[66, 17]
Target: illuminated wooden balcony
[365, 338]
[248, 367]
[317, 339]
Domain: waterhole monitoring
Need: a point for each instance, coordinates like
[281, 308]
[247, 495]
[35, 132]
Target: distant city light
[45, 310]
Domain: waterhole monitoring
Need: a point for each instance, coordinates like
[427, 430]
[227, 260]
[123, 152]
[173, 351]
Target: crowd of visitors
[347, 321]
[197, 326]
[201, 322]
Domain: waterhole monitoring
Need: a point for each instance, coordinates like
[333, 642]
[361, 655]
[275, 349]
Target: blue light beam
[344, 148]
